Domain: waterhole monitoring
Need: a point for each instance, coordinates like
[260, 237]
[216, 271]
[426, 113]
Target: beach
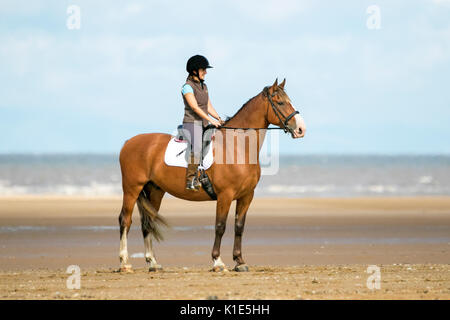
[300, 248]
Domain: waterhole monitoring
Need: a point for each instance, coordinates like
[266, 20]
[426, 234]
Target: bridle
[277, 111]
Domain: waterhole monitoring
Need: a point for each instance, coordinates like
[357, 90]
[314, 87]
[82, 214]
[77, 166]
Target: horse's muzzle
[297, 133]
[299, 130]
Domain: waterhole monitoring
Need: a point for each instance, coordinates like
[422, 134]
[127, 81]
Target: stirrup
[193, 185]
[197, 184]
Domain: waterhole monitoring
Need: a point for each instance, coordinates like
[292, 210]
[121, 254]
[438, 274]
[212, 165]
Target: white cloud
[19, 55]
[271, 10]
[23, 7]
[133, 8]
[327, 44]
[441, 2]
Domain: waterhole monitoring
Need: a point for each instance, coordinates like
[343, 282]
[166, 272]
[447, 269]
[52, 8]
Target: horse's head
[281, 112]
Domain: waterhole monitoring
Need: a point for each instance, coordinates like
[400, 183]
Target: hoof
[155, 268]
[126, 269]
[241, 268]
[219, 269]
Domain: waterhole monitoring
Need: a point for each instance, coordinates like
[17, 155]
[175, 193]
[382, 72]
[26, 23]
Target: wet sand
[300, 248]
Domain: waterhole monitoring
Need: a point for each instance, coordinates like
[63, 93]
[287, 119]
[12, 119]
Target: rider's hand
[221, 122]
[216, 123]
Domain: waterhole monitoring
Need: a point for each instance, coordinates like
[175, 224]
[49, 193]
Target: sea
[296, 176]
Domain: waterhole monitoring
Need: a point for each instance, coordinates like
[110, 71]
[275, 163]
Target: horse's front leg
[242, 205]
[223, 206]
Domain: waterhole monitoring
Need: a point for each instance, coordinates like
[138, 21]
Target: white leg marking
[218, 262]
[149, 255]
[219, 265]
[123, 249]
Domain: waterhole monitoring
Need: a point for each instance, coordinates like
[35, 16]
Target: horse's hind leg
[129, 200]
[155, 195]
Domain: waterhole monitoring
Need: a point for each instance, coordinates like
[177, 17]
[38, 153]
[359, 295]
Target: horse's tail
[152, 222]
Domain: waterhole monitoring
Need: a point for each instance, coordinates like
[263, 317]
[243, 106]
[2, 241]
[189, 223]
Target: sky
[365, 81]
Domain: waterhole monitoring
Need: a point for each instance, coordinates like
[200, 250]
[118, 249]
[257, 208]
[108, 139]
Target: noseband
[278, 113]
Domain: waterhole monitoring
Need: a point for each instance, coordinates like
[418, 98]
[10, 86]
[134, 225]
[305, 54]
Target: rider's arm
[213, 111]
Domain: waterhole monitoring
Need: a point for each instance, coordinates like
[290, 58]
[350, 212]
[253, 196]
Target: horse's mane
[280, 91]
[243, 106]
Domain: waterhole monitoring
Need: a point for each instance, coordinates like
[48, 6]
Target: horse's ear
[274, 87]
[282, 84]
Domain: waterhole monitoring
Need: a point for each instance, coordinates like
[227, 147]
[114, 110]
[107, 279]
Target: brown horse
[146, 177]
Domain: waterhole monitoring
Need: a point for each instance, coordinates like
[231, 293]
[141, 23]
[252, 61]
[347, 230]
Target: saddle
[175, 155]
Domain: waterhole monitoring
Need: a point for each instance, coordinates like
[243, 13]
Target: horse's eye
[280, 103]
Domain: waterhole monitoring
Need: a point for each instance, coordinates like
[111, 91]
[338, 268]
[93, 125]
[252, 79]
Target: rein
[276, 111]
[236, 128]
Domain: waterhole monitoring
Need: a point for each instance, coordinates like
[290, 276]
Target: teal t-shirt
[186, 89]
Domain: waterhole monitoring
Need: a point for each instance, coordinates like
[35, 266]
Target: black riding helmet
[197, 62]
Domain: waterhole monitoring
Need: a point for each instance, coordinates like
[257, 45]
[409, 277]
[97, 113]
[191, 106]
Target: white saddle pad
[176, 154]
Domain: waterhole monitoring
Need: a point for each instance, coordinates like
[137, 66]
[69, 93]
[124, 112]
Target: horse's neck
[252, 115]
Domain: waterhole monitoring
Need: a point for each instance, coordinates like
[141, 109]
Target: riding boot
[192, 182]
